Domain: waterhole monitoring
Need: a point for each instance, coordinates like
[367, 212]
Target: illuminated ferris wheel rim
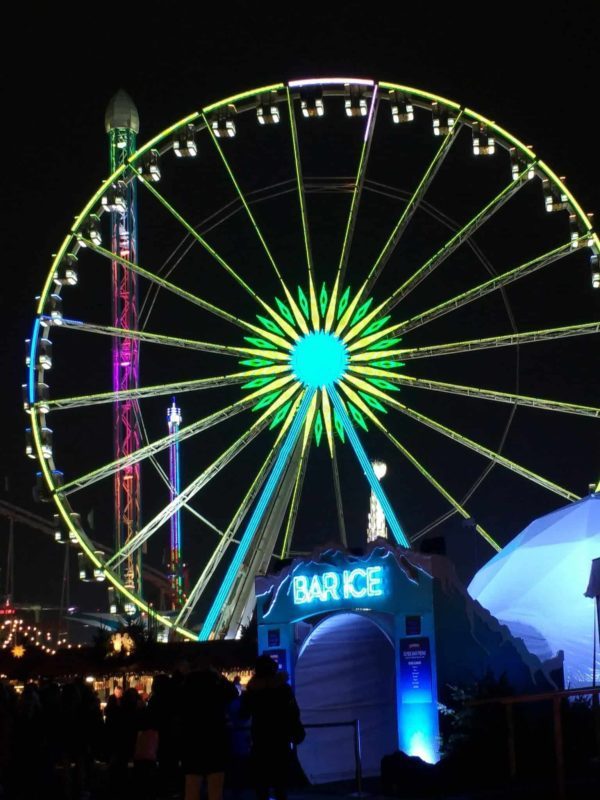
[337, 85]
[246, 101]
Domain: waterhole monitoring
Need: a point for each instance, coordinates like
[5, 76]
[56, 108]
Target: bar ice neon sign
[348, 585]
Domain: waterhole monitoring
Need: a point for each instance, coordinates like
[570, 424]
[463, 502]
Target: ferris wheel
[308, 290]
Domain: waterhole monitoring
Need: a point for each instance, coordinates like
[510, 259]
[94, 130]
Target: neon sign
[348, 585]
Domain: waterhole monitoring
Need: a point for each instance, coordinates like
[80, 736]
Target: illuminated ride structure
[175, 562]
[300, 310]
[122, 127]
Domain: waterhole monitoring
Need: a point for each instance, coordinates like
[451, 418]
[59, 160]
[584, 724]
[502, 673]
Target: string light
[17, 635]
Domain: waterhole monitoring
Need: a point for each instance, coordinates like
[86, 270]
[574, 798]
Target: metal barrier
[355, 724]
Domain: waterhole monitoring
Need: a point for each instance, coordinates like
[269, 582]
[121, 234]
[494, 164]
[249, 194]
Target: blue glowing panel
[32, 365]
[319, 359]
[418, 731]
[415, 670]
[536, 586]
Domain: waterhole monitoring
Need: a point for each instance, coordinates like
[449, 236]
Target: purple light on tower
[175, 564]
[122, 125]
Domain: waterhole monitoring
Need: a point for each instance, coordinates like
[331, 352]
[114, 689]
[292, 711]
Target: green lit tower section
[122, 126]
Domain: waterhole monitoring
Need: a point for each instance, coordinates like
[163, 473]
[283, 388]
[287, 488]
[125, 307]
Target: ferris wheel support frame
[350, 322]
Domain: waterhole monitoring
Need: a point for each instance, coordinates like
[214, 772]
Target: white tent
[536, 586]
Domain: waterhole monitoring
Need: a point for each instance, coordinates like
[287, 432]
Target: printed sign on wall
[415, 670]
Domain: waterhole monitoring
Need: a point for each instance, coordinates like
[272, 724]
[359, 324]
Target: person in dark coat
[205, 698]
[163, 712]
[276, 726]
[122, 725]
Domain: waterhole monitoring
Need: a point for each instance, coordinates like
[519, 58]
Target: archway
[346, 671]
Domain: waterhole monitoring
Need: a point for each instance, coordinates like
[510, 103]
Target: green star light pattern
[324, 341]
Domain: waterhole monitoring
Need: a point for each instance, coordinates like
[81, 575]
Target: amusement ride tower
[122, 125]
[174, 420]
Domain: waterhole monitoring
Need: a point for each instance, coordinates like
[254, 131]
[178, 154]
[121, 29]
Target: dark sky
[535, 76]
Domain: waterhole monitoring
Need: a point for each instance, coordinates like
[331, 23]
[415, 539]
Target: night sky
[537, 77]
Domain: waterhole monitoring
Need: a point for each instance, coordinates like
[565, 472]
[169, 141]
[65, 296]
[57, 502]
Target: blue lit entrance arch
[382, 586]
[345, 671]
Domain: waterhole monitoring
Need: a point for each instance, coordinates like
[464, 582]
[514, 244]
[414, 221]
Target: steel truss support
[283, 455]
[190, 491]
[237, 610]
[483, 289]
[470, 345]
[484, 394]
[457, 437]
[155, 447]
[412, 205]
[438, 258]
[375, 484]
[218, 258]
[125, 360]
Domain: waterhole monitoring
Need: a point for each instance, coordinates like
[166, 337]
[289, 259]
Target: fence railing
[355, 725]
[555, 698]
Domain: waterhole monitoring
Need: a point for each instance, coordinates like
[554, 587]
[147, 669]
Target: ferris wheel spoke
[194, 512]
[456, 506]
[157, 446]
[188, 493]
[459, 238]
[470, 345]
[159, 338]
[194, 233]
[204, 478]
[354, 204]
[162, 389]
[486, 452]
[218, 258]
[303, 213]
[483, 394]
[338, 497]
[280, 464]
[295, 501]
[412, 205]
[242, 197]
[228, 537]
[179, 292]
[235, 611]
[367, 467]
[235, 523]
[167, 481]
[477, 292]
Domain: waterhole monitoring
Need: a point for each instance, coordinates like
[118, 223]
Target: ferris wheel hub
[319, 359]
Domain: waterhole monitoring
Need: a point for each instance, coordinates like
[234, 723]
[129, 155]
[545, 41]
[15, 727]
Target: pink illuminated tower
[122, 125]
[175, 564]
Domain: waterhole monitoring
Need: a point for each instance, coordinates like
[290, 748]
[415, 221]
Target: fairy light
[17, 635]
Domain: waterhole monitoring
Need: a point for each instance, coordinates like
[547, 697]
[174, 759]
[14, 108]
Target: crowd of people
[196, 727]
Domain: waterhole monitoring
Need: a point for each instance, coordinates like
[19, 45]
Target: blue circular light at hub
[319, 359]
